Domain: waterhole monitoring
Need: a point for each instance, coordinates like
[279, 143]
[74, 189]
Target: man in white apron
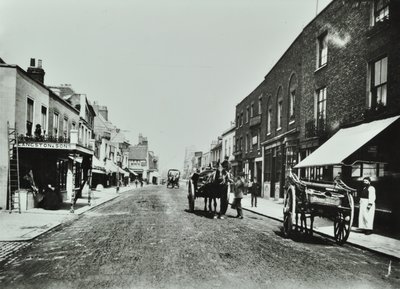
[367, 207]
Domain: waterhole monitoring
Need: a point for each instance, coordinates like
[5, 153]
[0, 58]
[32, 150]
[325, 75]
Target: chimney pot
[39, 65]
[32, 62]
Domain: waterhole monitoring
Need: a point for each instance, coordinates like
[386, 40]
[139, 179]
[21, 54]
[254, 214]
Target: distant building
[142, 161]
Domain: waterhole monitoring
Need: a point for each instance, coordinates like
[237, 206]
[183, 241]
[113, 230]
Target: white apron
[366, 217]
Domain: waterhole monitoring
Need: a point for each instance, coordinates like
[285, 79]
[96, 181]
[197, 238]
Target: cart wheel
[342, 226]
[288, 215]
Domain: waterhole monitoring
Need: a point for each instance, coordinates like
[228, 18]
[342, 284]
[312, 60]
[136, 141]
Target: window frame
[44, 120]
[322, 52]
[30, 122]
[56, 128]
[320, 101]
[269, 119]
[373, 87]
[381, 14]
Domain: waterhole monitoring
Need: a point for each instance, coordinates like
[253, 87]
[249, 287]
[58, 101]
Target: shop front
[99, 174]
[365, 150]
[55, 171]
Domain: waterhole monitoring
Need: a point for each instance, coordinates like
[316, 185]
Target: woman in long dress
[367, 207]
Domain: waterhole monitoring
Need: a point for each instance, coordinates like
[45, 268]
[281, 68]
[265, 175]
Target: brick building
[340, 72]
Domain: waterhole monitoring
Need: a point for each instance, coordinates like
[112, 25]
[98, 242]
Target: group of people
[239, 185]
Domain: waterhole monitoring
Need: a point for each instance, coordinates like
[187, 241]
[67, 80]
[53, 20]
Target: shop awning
[123, 172]
[97, 164]
[132, 172]
[96, 171]
[111, 167]
[345, 142]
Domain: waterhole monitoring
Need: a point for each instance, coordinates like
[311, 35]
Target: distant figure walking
[136, 183]
[254, 190]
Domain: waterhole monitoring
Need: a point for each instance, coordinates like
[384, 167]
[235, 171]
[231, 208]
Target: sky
[172, 70]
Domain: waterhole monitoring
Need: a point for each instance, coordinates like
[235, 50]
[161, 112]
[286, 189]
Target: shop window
[322, 58]
[29, 116]
[378, 88]
[381, 10]
[268, 166]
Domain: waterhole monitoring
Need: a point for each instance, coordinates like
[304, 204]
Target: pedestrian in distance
[238, 195]
[136, 183]
[367, 207]
[254, 190]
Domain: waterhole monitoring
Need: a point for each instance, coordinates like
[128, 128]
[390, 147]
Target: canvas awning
[344, 143]
[123, 172]
[132, 172]
[97, 164]
[111, 167]
[96, 171]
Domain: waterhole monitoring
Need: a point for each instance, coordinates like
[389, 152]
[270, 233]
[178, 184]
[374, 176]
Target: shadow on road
[299, 237]
[201, 213]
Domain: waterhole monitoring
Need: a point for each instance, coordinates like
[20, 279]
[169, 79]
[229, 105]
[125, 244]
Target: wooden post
[73, 186]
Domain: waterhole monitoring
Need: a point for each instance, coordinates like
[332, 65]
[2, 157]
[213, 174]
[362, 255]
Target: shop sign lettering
[44, 145]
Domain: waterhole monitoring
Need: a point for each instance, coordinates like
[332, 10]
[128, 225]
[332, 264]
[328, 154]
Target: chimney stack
[36, 73]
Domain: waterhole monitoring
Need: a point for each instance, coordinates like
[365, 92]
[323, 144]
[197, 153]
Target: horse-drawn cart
[210, 184]
[305, 200]
[173, 178]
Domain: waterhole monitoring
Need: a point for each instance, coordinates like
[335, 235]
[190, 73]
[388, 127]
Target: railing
[315, 128]
[255, 120]
[44, 138]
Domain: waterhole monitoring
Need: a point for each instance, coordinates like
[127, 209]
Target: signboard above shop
[55, 146]
[47, 145]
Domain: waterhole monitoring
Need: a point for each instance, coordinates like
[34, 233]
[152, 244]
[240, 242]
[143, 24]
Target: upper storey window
[378, 91]
[322, 49]
[381, 10]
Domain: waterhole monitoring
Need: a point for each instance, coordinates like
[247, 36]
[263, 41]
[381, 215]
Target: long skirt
[366, 216]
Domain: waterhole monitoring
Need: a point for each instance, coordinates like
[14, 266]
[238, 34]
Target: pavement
[274, 209]
[33, 222]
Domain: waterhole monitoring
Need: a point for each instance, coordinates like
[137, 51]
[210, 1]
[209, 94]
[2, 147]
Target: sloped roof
[138, 152]
[117, 136]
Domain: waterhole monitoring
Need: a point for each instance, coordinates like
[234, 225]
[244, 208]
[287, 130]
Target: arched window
[292, 97]
[279, 107]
